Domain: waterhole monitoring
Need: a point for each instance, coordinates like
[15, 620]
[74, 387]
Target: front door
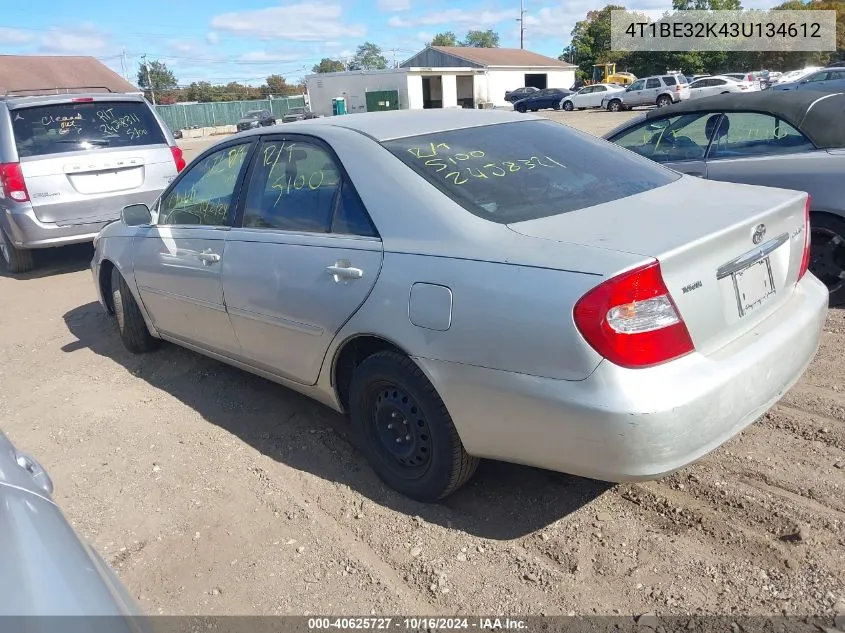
[304, 259]
[679, 142]
[634, 94]
[179, 259]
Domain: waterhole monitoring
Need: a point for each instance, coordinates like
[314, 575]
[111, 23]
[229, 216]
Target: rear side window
[520, 171]
[71, 127]
[669, 81]
[652, 83]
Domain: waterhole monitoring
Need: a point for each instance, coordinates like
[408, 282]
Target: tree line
[590, 44]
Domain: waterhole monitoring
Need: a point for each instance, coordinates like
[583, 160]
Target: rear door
[85, 159]
[304, 259]
[595, 96]
[653, 88]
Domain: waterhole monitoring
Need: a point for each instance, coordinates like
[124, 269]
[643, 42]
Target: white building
[440, 77]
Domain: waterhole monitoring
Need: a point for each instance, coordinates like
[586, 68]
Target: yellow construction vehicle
[606, 74]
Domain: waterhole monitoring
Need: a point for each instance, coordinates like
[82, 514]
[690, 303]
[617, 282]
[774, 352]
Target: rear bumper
[628, 425]
[27, 231]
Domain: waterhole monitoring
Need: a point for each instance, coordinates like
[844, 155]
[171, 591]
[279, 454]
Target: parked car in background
[431, 322]
[832, 79]
[550, 98]
[47, 569]
[709, 86]
[590, 96]
[256, 118]
[70, 162]
[795, 75]
[298, 114]
[748, 77]
[512, 96]
[660, 90]
[838, 64]
[776, 139]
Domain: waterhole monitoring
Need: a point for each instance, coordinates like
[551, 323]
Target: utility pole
[124, 63]
[149, 81]
[521, 20]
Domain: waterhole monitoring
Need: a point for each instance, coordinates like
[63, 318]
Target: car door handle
[342, 270]
[208, 257]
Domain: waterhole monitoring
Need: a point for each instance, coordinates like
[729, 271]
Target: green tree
[482, 39]
[201, 91]
[155, 76]
[328, 65]
[368, 57]
[277, 85]
[447, 38]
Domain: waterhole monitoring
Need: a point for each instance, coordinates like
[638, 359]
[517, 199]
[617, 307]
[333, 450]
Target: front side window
[818, 77]
[520, 171]
[204, 193]
[743, 134]
[671, 139]
[84, 126]
[292, 188]
[638, 85]
[701, 83]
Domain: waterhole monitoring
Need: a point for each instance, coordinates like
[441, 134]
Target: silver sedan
[477, 284]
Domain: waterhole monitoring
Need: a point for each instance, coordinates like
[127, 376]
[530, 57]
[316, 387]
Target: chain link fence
[181, 116]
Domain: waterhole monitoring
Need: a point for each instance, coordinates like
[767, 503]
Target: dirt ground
[215, 492]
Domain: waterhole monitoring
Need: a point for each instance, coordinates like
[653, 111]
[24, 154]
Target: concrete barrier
[209, 131]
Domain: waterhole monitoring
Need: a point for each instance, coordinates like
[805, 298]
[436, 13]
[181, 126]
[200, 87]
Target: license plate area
[753, 285]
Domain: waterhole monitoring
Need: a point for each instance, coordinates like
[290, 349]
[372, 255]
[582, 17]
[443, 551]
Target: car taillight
[178, 158]
[805, 257]
[11, 179]
[632, 321]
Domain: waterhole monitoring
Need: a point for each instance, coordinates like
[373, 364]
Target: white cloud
[212, 38]
[394, 5]
[264, 56]
[84, 40]
[455, 18]
[311, 22]
[14, 36]
[424, 36]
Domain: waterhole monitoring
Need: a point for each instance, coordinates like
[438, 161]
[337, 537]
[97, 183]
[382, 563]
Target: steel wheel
[400, 428]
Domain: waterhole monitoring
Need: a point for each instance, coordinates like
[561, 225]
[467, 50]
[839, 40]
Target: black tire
[827, 254]
[422, 455]
[130, 322]
[615, 105]
[556, 106]
[726, 92]
[567, 105]
[663, 101]
[17, 260]
[520, 108]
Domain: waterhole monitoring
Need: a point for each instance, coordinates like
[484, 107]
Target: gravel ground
[215, 492]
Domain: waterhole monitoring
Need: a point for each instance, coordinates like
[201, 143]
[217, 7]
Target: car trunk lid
[730, 254]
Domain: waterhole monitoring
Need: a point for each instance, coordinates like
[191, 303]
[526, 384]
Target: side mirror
[136, 215]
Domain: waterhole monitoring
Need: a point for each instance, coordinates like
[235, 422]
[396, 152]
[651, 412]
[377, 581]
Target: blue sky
[222, 41]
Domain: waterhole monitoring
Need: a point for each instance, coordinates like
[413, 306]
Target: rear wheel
[18, 260]
[405, 430]
[130, 322]
[663, 101]
[556, 106]
[614, 106]
[567, 105]
[827, 254]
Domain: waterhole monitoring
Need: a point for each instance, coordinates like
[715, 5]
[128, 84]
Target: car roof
[384, 126]
[14, 100]
[818, 115]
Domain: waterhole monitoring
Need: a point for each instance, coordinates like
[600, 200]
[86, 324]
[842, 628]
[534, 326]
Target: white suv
[659, 90]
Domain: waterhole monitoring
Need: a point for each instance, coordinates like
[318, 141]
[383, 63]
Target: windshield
[70, 127]
[253, 114]
[521, 171]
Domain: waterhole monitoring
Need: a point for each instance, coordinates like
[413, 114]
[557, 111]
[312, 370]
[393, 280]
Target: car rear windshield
[527, 170]
[70, 127]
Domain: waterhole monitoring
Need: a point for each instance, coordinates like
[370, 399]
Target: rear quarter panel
[503, 316]
[819, 173]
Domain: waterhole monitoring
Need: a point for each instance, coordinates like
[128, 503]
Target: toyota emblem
[759, 233]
